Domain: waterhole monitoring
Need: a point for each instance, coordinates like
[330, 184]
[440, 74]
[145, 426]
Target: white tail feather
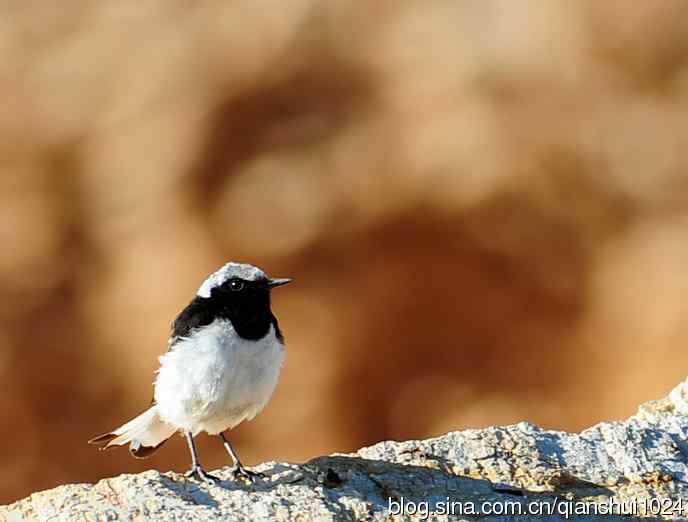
[146, 430]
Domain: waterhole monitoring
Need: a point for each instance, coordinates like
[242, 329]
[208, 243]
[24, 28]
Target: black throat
[248, 311]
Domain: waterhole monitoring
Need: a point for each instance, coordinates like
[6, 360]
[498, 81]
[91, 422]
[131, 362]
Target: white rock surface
[639, 466]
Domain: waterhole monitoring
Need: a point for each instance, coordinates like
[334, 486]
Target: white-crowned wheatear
[223, 363]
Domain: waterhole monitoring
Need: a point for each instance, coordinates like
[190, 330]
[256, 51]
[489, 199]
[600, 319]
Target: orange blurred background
[484, 205]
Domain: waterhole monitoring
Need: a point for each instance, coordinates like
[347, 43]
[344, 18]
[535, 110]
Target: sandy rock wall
[482, 198]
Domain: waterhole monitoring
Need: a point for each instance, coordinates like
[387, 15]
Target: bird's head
[236, 281]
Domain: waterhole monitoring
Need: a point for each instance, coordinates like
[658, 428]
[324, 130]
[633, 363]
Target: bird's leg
[239, 470]
[196, 469]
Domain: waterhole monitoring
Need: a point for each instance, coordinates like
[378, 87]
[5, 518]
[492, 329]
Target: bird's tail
[146, 433]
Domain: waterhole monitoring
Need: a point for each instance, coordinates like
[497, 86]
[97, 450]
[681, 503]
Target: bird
[224, 357]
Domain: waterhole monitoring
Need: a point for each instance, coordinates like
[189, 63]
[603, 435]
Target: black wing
[195, 315]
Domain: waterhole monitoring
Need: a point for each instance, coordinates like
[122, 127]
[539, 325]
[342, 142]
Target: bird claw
[202, 475]
[241, 473]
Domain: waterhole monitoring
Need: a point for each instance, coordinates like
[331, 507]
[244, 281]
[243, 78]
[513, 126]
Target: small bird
[222, 365]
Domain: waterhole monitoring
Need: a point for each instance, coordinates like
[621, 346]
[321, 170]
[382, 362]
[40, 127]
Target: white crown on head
[230, 270]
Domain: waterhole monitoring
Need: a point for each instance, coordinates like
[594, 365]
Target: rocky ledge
[614, 470]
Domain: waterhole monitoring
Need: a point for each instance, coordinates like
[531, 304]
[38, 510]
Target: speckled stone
[641, 461]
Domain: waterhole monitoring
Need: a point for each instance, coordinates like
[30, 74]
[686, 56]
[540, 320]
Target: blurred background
[484, 205]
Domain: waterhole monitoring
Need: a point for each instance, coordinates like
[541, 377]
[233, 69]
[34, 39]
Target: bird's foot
[241, 473]
[199, 473]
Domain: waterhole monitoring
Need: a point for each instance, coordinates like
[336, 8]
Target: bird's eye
[236, 285]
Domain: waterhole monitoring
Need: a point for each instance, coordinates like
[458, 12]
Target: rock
[637, 467]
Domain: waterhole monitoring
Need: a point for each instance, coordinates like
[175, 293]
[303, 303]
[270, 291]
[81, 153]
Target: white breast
[214, 379]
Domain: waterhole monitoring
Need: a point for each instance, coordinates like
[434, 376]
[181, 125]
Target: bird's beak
[272, 283]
